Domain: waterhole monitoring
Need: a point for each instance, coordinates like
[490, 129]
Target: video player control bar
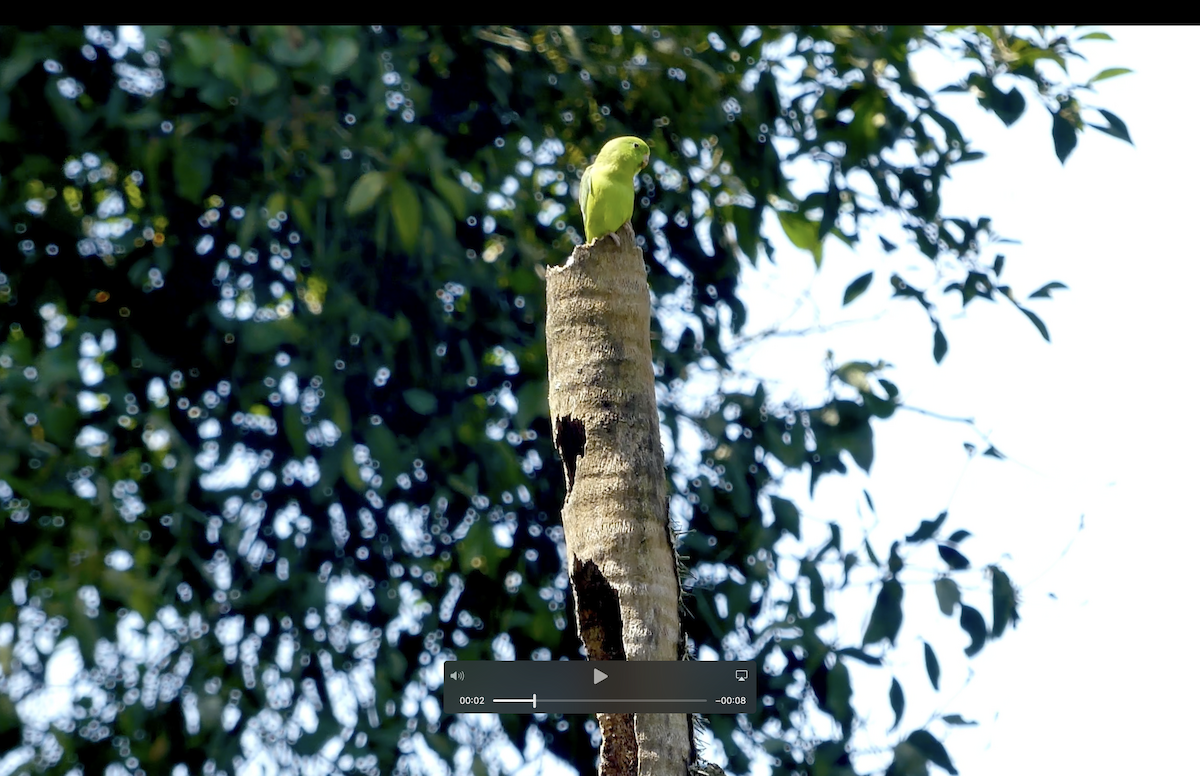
[583, 687]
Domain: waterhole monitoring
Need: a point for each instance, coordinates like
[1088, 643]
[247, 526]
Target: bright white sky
[1099, 423]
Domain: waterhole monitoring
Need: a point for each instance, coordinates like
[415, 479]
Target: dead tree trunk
[620, 547]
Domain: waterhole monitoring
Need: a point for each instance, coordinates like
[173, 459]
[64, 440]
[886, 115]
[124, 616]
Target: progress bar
[534, 700]
[610, 686]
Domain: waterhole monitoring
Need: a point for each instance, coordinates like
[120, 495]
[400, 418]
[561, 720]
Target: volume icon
[458, 675]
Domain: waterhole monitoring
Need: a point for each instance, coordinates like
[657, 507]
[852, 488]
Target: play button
[598, 676]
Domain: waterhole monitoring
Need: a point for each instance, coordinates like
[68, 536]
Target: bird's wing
[585, 191]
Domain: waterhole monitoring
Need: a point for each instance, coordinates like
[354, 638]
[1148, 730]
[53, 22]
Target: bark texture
[620, 550]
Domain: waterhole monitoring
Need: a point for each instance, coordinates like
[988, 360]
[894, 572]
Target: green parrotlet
[606, 192]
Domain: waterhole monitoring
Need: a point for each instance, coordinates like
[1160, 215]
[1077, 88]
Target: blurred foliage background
[273, 434]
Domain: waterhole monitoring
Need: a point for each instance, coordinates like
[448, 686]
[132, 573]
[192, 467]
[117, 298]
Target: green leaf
[1008, 105]
[896, 698]
[401, 328]
[932, 668]
[857, 287]
[959, 535]
[957, 719]
[455, 194]
[193, 170]
[972, 622]
[1004, 601]
[1041, 327]
[998, 265]
[787, 515]
[262, 79]
[467, 483]
[1065, 137]
[907, 761]
[385, 448]
[838, 694]
[1044, 291]
[339, 55]
[142, 120]
[947, 594]
[929, 746]
[17, 63]
[940, 345]
[816, 584]
[233, 62]
[887, 616]
[803, 233]
[859, 442]
[927, 529]
[406, 213]
[421, 401]
[365, 191]
[871, 554]
[1115, 127]
[888, 245]
[1096, 36]
[285, 51]
[901, 288]
[201, 47]
[954, 559]
[268, 336]
[1109, 72]
[439, 215]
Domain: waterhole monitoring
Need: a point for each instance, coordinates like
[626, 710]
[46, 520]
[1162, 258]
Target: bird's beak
[645, 161]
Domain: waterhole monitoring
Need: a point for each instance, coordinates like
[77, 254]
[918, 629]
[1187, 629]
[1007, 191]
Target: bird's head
[629, 149]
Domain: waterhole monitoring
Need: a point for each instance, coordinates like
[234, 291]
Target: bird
[606, 191]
